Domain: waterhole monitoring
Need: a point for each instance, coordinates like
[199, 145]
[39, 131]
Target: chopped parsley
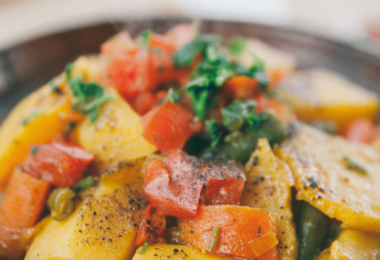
[239, 112]
[54, 88]
[215, 133]
[145, 35]
[33, 150]
[35, 113]
[351, 165]
[214, 239]
[83, 184]
[313, 183]
[87, 97]
[144, 247]
[174, 96]
[236, 46]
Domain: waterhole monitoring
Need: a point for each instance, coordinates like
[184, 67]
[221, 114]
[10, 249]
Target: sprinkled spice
[255, 161]
[351, 165]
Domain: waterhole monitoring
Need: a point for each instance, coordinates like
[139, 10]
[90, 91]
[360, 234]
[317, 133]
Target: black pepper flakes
[175, 250]
[255, 161]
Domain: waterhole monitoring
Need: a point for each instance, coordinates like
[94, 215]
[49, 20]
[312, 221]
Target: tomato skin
[238, 227]
[59, 164]
[121, 43]
[361, 130]
[174, 185]
[168, 126]
[223, 191]
[152, 225]
[241, 87]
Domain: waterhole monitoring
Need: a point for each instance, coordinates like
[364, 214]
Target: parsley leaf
[173, 96]
[144, 247]
[35, 113]
[87, 97]
[215, 133]
[145, 35]
[33, 150]
[237, 46]
[237, 113]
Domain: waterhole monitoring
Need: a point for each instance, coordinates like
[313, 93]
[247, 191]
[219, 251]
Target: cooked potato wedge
[116, 136]
[268, 186]
[320, 94]
[170, 252]
[353, 245]
[103, 226]
[26, 125]
[324, 177]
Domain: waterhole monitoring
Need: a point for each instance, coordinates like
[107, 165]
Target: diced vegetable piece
[83, 184]
[144, 102]
[181, 34]
[177, 252]
[319, 94]
[324, 255]
[59, 164]
[360, 130]
[283, 110]
[174, 186]
[152, 225]
[268, 186]
[263, 243]
[354, 244]
[238, 227]
[20, 209]
[168, 126]
[121, 43]
[61, 204]
[103, 226]
[241, 87]
[116, 136]
[311, 229]
[16, 138]
[325, 180]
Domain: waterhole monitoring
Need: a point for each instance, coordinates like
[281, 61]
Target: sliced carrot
[241, 87]
[238, 227]
[263, 243]
[360, 130]
[20, 209]
[168, 126]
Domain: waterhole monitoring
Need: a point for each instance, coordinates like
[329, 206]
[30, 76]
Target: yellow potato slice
[319, 94]
[323, 178]
[354, 245]
[116, 136]
[170, 252]
[103, 226]
[16, 137]
[268, 186]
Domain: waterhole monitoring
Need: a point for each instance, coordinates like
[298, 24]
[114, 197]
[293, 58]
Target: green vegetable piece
[33, 150]
[237, 113]
[236, 46]
[35, 113]
[144, 247]
[68, 70]
[215, 133]
[173, 96]
[351, 165]
[213, 239]
[145, 35]
[61, 204]
[83, 184]
[311, 230]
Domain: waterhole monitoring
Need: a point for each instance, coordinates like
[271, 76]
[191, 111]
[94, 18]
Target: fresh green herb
[173, 96]
[35, 113]
[54, 88]
[145, 35]
[237, 46]
[233, 137]
[313, 183]
[33, 150]
[256, 71]
[237, 113]
[351, 165]
[68, 71]
[61, 203]
[213, 239]
[87, 97]
[215, 133]
[83, 184]
[69, 128]
[144, 247]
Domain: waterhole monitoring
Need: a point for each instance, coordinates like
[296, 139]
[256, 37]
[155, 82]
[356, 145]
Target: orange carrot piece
[263, 243]
[241, 87]
[20, 209]
[238, 227]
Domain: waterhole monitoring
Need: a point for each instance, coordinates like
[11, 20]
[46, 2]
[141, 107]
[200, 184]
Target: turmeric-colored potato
[176, 252]
[354, 245]
[319, 94]
[268, 187]
[339, 178]
[116, 136]
[36, 119]
[103, 226]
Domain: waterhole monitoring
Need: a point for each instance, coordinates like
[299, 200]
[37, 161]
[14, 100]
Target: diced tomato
[174, 186]
[132, 74]
[144, 102]
[168, 126]
[360, 130]
[181, 34]
[59, 164]
[152, 225]
[121, 43]
[241, 87]
[20, 209]
[282, 109]
[238, 227]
